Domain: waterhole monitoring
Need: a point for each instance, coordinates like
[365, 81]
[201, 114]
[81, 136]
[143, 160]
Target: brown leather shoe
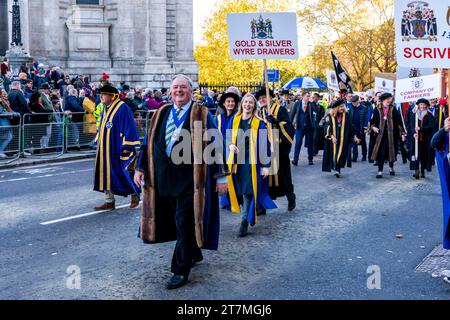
[106, 206]
[134, 202]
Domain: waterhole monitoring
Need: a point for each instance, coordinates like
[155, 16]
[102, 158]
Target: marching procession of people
[183, 191]
[258, 143]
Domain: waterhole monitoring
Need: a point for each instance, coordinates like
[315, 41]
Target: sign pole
[266, 83]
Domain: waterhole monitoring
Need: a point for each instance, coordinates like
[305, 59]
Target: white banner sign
[383, 85]
[404, 73]
[422, 32]
[263, 35]
[412, 89]
[332, 82]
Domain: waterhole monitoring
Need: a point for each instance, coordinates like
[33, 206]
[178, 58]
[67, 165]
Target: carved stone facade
[139, 41]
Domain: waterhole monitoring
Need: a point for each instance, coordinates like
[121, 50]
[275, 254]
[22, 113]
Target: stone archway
[4, 36]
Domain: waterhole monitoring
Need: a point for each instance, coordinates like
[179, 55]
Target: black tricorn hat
[262, 92]
[108, 89]
[228, 95]
[423, 100]
[336, 103]
[385, 96]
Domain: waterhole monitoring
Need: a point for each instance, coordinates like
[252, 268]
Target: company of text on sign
[263, 35]
[422, 31]
[413, 89]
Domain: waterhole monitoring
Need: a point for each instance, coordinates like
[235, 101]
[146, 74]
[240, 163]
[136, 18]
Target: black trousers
[381, 165]
[186, 248]
[363, 145]
[403, 151]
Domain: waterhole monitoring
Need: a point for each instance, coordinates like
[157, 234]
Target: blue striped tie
[171, 127]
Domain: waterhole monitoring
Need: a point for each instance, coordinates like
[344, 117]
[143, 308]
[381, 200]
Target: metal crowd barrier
[53, 134]
[43, 134]
[10, 137]
[81, 130]
[142, 119]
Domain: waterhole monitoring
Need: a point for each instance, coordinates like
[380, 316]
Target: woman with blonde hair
[248, 184]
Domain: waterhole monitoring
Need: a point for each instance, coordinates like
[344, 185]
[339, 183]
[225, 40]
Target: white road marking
[47, 175]
[81, 215]
[18, 179]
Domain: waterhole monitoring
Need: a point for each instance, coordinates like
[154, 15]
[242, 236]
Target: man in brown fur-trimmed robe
[180, 200]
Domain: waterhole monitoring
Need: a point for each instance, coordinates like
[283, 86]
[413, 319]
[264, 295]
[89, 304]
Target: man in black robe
[280, 184]
[338, 133]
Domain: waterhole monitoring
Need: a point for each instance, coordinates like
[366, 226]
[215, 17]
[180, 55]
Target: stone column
[122, 39]
[157, 29]
[47, 31]
[184, 30]
[184, 61]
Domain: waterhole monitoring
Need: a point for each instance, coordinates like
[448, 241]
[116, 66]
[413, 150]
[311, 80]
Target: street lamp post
[16, 54]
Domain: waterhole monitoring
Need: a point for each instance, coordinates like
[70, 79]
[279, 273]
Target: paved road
[320, 251]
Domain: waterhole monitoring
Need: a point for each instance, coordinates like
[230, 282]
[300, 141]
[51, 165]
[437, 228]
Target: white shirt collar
[184, 107]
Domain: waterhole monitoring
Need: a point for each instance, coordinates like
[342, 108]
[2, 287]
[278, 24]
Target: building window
[91, 2]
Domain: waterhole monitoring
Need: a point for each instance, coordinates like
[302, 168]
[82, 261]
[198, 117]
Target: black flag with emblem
[342, 76]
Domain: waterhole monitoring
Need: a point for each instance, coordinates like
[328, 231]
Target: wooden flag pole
[269, 100]
[266, 83]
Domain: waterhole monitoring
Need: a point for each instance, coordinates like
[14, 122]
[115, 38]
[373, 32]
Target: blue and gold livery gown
[118, 142]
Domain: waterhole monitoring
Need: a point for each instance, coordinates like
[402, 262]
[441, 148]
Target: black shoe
[176, 281]
[261, 212]
[197, 259]
[295, 163]
[422, 175]
[379, 176]
[243, 228]
[337, 174]
[364, 159]
[291, 203]
[354, 160]
[311, 162]
[371, 161]
[392, 173]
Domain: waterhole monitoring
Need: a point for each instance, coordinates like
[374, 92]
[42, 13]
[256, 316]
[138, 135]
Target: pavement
[15, 162]
[350, 238]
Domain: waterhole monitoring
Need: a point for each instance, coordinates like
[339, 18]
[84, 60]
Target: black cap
[126, 87]
[108, 89]
[285, 91]
[385, 96]
[228, 95]
[45, 85]
[336, 103]
[262, 92]
[355, 98]
[423, 100]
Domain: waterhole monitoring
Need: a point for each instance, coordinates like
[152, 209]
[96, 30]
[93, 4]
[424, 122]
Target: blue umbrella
[305, 83]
